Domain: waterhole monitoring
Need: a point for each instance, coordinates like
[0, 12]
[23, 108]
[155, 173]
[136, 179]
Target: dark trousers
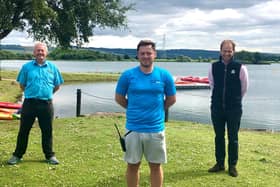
[31, 109]
[231, 119]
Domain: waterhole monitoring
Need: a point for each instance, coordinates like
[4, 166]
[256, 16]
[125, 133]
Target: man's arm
[210, 77]
[169, 101]
[22, 87]
[244, 80]
[56, 88]
[121, 100]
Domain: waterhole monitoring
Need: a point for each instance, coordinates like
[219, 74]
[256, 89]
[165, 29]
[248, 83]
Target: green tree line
[256, 57]
[86, 54]
[67, 54]
[7, 55]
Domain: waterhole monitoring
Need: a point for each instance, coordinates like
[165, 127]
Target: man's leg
[233, 125]
[132, 175]
[156, 175]
[45, 118]
[133, 156]
[218, 120]
[26, 122]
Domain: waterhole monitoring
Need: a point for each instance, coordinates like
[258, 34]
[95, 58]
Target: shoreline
[9, 78]
[122, 114]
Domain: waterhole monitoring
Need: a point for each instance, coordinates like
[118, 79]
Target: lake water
[260, 105]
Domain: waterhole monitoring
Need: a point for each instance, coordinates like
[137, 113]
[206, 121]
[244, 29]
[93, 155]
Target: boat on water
[10, 105]
[195, 79]
[190, 82]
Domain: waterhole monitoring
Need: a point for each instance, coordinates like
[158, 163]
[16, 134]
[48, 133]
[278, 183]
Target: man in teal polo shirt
[39, 79]
[145, 91]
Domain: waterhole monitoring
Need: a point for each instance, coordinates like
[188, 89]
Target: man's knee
[133, 167]
[155, 167]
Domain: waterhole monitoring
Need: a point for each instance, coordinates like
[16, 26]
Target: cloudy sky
[185, 24]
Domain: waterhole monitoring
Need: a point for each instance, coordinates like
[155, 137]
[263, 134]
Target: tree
[17, 14]
[244, 56]
[183, 58]
[257, 58]
[64, 22]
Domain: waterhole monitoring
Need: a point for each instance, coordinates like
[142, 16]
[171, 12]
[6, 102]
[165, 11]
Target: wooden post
[166, 115]
[78, 106]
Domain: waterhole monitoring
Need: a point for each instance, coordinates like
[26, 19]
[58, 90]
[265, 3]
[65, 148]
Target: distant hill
[170, 53]
[163, 54]
[12, 47]
[17, 48]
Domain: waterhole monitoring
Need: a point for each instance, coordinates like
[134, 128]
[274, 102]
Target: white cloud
[19, 38]
[266, 11]
[110, 41]
[200, 24]
[202, 28]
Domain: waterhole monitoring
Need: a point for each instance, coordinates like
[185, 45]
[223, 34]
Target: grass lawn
[90, 155]
[9, 91]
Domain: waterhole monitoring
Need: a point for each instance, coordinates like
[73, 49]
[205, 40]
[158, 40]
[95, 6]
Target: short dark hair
[227, 41]
[145, 43]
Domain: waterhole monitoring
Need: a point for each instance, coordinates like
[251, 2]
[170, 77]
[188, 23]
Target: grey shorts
[151, 145]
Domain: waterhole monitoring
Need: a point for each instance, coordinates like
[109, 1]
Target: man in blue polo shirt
[39, 79]
[146, 91]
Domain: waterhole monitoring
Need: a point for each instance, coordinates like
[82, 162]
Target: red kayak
[9, 110]
[183, 82]
[195, 79]
[10, 105]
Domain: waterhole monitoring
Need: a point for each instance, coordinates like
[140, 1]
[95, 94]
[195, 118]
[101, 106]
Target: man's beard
[146, 65]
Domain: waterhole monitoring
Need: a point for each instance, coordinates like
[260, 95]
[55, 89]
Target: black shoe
[216, 168]
[232, 171]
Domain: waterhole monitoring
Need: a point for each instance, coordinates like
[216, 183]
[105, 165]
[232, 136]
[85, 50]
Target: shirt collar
[35, 63]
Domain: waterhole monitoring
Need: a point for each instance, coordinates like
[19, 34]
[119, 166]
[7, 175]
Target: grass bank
[90, 155]
[10, 90]
[71, 77]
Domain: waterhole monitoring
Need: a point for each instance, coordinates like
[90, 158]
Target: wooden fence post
[78, 106]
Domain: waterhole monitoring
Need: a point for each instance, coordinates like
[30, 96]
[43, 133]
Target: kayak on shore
[10, 105]
[9, 111]
[9, 116]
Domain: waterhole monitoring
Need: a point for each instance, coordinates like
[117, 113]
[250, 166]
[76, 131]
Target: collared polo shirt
[145, 94]
[39, 80]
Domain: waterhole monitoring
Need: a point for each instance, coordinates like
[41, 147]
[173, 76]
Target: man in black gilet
[229, 82]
